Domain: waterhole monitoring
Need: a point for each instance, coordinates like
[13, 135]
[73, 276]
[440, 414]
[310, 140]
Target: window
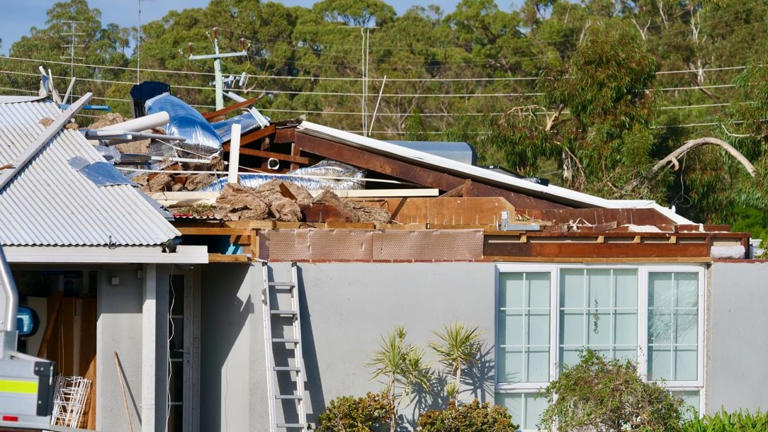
[673, 322]
[523, 336]
[547, 314]
[598, 310]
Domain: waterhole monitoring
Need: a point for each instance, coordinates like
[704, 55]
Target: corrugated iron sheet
[50, 203]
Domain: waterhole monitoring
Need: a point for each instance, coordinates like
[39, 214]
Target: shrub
[728, 422]
[475, 417]
[370, 413]
[598, 394]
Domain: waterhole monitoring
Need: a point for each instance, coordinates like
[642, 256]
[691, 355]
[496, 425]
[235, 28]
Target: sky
[19, 15]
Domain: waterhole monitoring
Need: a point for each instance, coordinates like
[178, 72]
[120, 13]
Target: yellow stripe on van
[14, 386]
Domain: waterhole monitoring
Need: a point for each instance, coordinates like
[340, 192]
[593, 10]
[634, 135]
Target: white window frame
[643, 271]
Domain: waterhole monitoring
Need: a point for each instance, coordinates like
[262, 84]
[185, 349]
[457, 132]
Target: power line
[320, 78]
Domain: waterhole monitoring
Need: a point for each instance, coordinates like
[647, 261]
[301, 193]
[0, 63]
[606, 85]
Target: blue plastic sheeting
[187, 123]
[224, 127]
[102, 173]
[315, 177]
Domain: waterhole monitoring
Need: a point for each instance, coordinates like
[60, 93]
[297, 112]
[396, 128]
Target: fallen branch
[692, 144]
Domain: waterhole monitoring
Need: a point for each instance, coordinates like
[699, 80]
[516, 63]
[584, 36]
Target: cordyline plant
[608, 396]
[401, 366]
[458, 347]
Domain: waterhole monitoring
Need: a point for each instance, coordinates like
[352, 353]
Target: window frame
[643, 271]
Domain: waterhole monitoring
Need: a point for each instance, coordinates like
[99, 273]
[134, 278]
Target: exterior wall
[736, 372]
[118, 330]
[346, 308]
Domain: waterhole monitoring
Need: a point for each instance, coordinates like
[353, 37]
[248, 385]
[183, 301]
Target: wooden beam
[411, 172]
[285, 135]
[496, 247]
[253, 136]
[216, 231]
[222, 258]
[226, 110]
[278, 156]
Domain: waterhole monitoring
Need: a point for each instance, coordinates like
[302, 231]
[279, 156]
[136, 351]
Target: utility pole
[365, 32]
[138, 48]
[217, 56]
[72, 44]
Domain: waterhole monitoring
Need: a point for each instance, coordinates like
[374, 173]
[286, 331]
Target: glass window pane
[511, 290]
[598, 329]
[626, 328]
[687, 289]
[510, 368]
[538, 285]
[538, 366]
[606, 319]
[686, 364]
[534, 407]
[513, 402]
[538, 329]
[510, 329]
[523, 327]
[659, 363]
[660, 290]
[673, 326]
[571, 288]
[626, 288]
[690, 400]
[599, 285]
[525, 408]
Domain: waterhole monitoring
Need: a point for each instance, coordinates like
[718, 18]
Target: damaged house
[285, 250]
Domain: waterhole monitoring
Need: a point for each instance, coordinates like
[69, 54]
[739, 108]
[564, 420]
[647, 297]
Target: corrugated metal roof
[50, 203]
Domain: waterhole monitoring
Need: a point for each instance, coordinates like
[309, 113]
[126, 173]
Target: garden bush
[728, 422]
[609, 396]
[475, 417]
[371, 413]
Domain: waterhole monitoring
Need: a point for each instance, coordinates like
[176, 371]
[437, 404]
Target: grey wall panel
[118, 329]
[346, 308]
[738, 352]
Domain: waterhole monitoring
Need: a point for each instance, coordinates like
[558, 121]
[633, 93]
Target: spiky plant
[458, 345]
[400, 364]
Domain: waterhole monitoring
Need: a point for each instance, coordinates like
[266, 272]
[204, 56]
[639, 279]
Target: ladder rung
[283, 312]
[298, 397]
[286, 340]
[282, 284]
[291, 425]
[288, 368]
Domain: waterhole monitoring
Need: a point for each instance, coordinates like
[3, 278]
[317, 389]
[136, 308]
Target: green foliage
[598, 394]
[728, 422]
[591, 112]
[370, 413]
[458, 345]
[401, 366]
[475, 417]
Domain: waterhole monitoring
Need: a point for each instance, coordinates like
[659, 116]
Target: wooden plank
[53, 316]
[412, 172]
[606, 260]
[285, 135]
[447, 211]
[496, 247]
[279, 156]
[222, 258]
[215, 231]
[252, 136]
[228, 109]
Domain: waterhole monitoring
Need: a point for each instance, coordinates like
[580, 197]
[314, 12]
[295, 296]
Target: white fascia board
[553, 192]
[399, 152]
[105, 255]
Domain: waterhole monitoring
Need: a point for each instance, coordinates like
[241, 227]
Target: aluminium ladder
[292, 343]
